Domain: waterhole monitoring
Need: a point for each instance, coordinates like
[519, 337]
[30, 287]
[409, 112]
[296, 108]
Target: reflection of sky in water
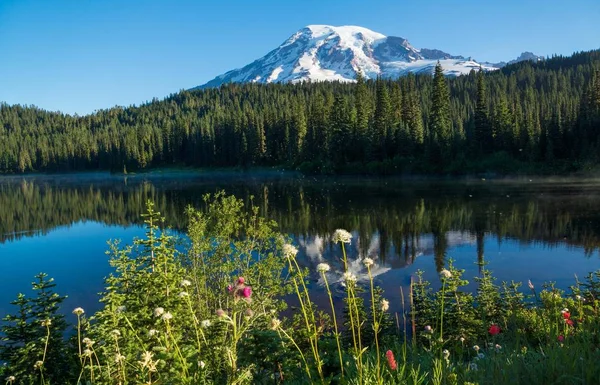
[75, 256]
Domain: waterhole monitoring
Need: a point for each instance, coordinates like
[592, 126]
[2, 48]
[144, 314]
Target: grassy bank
[213, 314]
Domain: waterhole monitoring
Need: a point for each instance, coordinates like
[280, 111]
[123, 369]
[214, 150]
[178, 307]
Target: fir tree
[440, 123]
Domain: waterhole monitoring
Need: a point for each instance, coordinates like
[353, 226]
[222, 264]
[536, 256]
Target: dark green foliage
[534, 112]
[36, 334]
[440, 124]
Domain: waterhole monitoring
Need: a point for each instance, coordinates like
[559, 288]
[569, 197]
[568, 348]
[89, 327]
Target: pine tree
[483, 135]
[362, 104]
[382, 121]
[440, 124]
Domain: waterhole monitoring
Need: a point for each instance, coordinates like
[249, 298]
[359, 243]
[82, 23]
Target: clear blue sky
[80, 55]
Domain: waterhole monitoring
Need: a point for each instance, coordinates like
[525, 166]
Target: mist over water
[543, 230]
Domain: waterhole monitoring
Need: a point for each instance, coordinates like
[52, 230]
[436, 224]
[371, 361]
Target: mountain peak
[344, 31]
[337, 53]
[528, 56]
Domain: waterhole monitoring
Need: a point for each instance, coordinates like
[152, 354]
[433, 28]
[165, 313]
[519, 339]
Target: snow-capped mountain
[327, 53]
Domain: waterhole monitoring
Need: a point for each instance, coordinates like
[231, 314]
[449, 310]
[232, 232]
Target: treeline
[396, 216]
[527, 113]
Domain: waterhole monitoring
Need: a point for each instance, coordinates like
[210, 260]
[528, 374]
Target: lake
[543, 230]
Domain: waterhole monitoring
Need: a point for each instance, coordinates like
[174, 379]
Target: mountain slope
[327, 53]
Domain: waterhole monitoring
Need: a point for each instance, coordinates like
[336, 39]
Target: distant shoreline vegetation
[539, 118]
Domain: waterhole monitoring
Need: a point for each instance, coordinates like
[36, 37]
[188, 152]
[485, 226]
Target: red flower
[569, 322]
[494, 330]
[561, 338]
[247, 292]
[391, 360]
[566, 315]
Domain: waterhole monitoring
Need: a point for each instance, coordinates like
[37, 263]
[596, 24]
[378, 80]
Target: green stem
[375, 322]
[337, 335]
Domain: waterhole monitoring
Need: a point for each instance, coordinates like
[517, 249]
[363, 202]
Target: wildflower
[249, 313]
[10, 379]
[201, 364]
[391, 360]
[38, 365]
[121, 309]
[348, 276]
[183, 294]
[531, 287]
[446, 354]
[88, 342]
[119, 358]
[159, 311]
[229, 288]
[445, 273]
[569, 322]
[152, 332]
[47, 322]
[323, 267]
[578, 297]
[289, 251]
[247, 292]
[481, 356]
[87, 353]
[428, 329]
[205, 324]
[498, 347]
[167, 316]
[385, 305]
[146, 359]
[565, 313]
[473, 366]
[462, 339]
[116, 333]
[221, 313]
[476, 348]
[185, 283]
[561, 338]
[494, 330]
[342, 236]
[241, 280]
[275, 323]
[368, 262]
[78, 311]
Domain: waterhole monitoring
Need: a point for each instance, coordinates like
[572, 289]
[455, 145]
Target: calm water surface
[528, 229]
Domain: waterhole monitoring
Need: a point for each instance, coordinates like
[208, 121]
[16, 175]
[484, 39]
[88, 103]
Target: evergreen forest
[527, 117]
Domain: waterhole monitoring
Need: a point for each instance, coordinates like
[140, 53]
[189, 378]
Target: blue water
[74, 255]
[546, 231]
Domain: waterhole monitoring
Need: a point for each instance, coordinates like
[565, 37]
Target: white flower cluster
[78, 311]
[289, 251]
[446, 273]
[323, 268]
[342, 236]
[349, 277]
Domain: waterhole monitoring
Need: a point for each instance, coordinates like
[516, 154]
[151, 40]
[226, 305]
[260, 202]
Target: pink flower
[247, 292]
[229, 288]
[241, 281]
[561, 338]
[494, 330]
[391, 360]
